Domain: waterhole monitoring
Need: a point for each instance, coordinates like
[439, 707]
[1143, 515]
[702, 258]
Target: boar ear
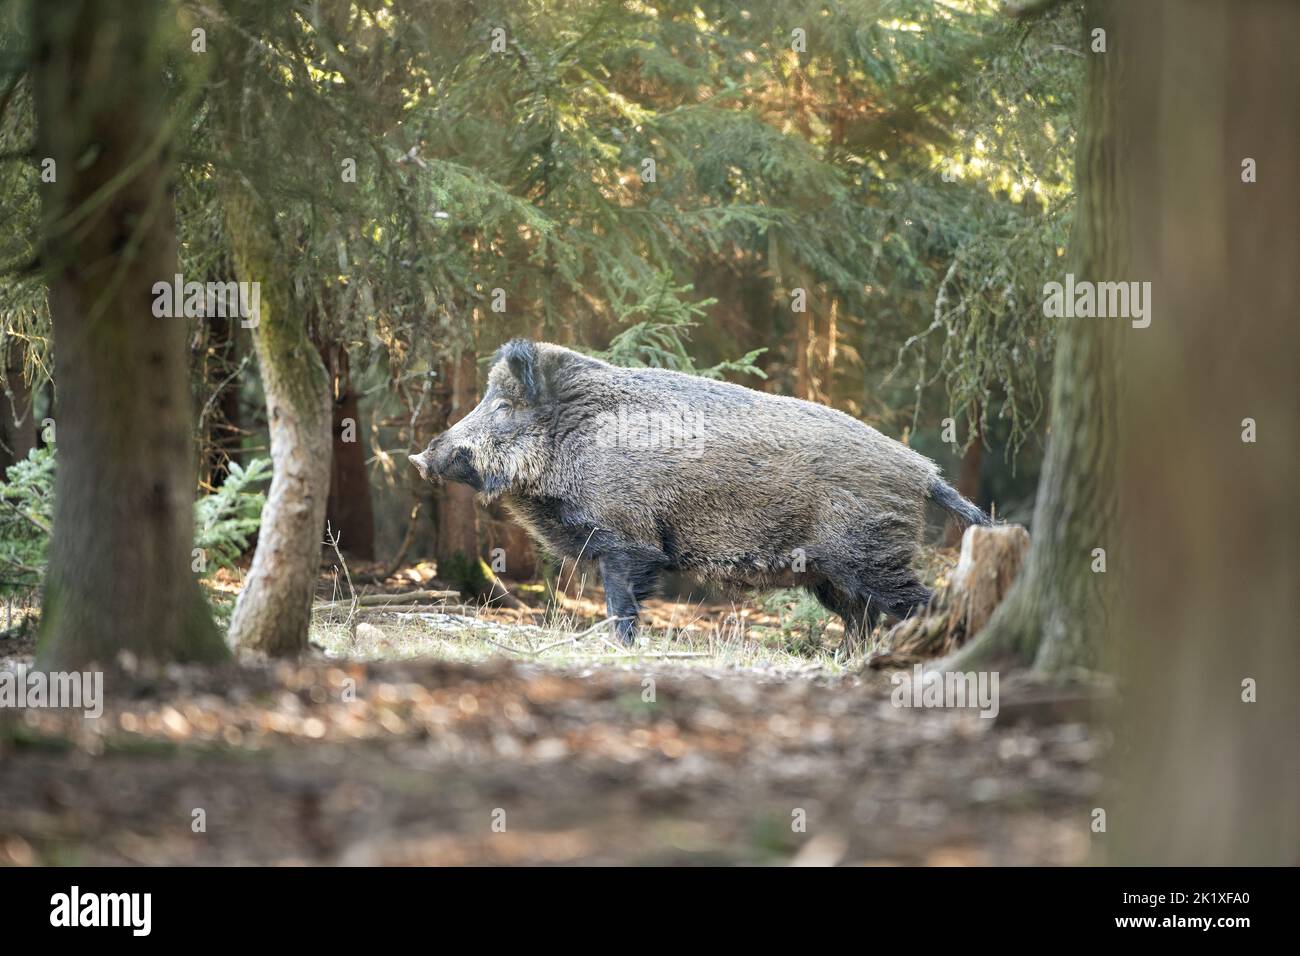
[520, 356]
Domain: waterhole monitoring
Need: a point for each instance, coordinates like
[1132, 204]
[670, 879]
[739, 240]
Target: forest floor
[511, 736]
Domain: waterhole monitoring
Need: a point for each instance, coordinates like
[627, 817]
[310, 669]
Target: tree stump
[989, 562]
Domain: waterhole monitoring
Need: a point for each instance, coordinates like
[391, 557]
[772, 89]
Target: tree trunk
[990, 562]
[120, 576]
[803, 331]
[831, 351]
[804, 339]
[17, 417]
[1055, 614]
[219, 420]
[349, 512]
[968, 483]
[520, 559]
[273, 612]
[1208, 777]
[458, 545]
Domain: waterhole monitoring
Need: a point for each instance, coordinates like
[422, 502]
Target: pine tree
[120, 571]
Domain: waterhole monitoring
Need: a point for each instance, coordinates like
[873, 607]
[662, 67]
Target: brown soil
[426, 762]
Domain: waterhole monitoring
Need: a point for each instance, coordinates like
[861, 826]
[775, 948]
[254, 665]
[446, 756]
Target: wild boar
[645, 470]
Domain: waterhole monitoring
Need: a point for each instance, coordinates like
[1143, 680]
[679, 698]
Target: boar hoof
[625, 629]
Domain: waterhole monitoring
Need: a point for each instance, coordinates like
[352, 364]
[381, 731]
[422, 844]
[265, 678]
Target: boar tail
[947, 498]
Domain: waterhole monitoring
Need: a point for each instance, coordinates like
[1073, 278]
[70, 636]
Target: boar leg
[866, 588]
[860, 614]
[902, 600]
[886, 579]
[630, 576]
[874, 560]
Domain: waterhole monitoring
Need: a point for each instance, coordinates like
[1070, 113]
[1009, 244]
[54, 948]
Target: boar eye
[502, 404]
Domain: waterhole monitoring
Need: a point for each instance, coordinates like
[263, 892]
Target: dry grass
[781, 636]
[784, 632]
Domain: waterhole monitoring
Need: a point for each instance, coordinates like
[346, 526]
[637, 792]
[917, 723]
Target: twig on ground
[507, 647]
[506, 598]
[654, 654]
[533, 652]
[384, 600]
[618, 647]
[420, 609]
[333, 540]
[576, 637]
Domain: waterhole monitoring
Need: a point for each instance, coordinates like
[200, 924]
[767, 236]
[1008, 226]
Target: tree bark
[458, 543]
[120, 572]
[504, 533]
[968, 483]
[273, 612]
[1055, 615]
[1210, 774]
[17, 418]
[219, 418]
[991, 559]
[804, 339]
[349, 512]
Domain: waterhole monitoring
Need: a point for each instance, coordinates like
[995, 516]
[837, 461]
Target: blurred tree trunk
[804, 339]
[837, 109]
[349, 512]
[831, 352]
[458, 542]
[1212, 528]
[1055, 614]
[120, 569]
[273, 612]
[802, 332]
[520, 556]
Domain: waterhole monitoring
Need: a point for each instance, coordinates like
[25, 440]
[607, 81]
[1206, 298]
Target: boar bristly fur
[647, 470]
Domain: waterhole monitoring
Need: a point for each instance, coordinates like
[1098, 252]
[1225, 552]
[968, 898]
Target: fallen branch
[507, 647]
[421, 609]
[506, 598]
[654, 654]
[381, 600]
[570, 639]
[576, 637]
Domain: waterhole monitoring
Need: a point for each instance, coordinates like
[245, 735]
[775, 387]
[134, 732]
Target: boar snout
[456, 465]
[420, 465]
[429, 462]
[443, 460]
